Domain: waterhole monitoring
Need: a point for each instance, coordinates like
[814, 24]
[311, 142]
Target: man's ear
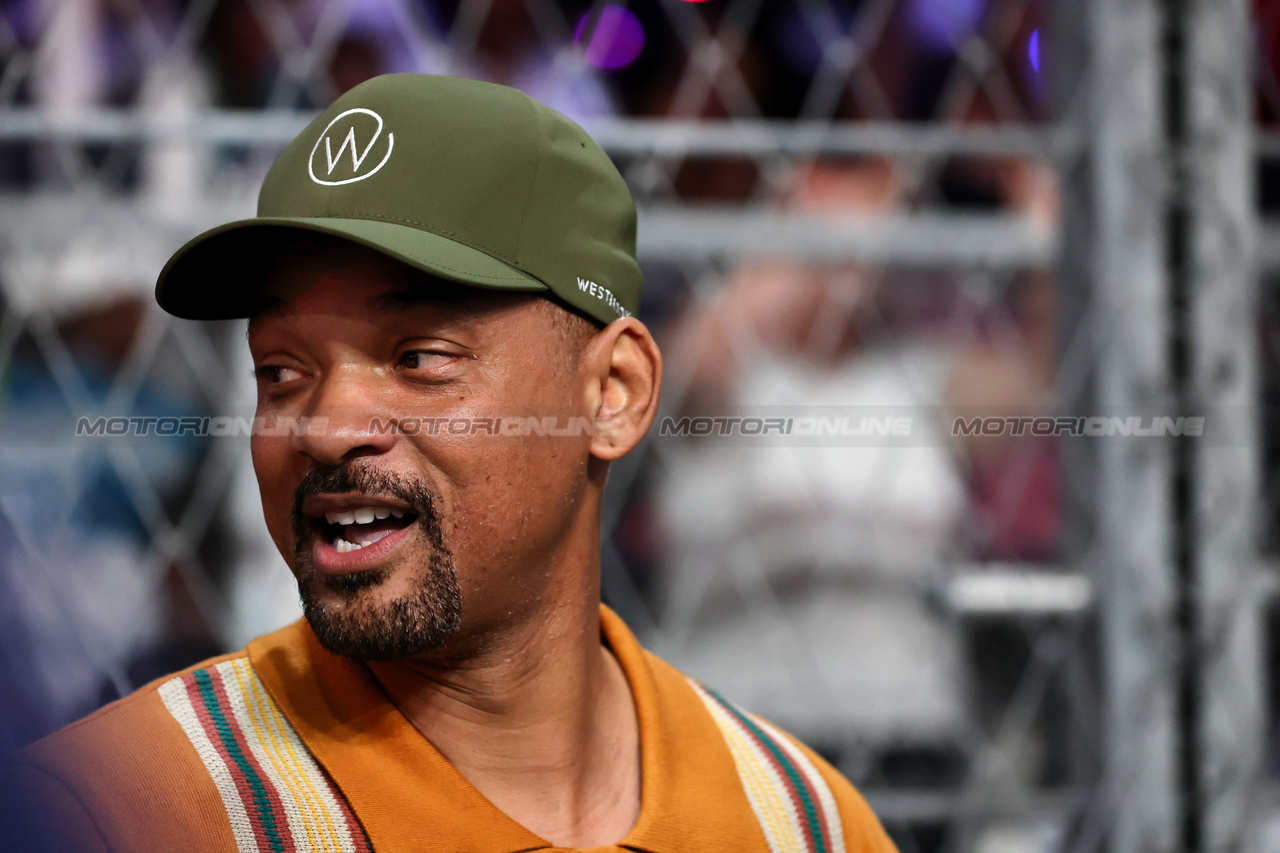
[623, 372]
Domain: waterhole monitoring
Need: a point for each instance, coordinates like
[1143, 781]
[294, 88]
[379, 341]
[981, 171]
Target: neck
[541, 722]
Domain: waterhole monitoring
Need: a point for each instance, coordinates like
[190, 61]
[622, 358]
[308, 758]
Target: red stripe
[273, 796]
[283, 830]
[791, 789]
[818, 805]
[813, 790]
[821, 809]
[211, 732]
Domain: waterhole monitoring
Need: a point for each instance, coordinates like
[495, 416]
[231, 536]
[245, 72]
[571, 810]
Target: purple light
[1033, 50]
[614, 41]
[942, 26]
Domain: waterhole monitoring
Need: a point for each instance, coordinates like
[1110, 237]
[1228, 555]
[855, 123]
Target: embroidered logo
[341, 142]
[604, 294]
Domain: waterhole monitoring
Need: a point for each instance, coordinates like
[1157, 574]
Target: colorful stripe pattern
[792, 801]
[277, 797]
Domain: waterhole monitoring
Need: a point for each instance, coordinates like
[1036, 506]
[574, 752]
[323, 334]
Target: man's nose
[345, 420]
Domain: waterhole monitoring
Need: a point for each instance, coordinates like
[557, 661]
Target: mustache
[353, 477]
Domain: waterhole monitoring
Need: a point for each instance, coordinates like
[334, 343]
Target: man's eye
[420, 359]
[275, 374]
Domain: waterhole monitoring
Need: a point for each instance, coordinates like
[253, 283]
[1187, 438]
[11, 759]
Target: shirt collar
[409, 797]
[404, 792]
[691, 797]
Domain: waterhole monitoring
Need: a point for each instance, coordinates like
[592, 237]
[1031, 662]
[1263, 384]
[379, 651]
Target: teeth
[342, 546]
[363, 515]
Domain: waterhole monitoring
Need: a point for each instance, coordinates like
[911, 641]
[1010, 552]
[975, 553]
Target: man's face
[433, 531]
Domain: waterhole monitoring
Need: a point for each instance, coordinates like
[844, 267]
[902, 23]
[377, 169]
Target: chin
[383, 614]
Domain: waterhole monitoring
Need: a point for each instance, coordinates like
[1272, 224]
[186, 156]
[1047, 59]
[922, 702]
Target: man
[439, 288]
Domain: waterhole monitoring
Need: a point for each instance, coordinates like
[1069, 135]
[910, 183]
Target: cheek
[513, 499]
[270, 464]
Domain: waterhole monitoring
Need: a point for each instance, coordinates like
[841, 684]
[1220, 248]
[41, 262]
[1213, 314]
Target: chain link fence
[949, 249]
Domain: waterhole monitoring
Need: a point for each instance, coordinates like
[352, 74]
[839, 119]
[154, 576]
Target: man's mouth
[356, 532]
[360, 527]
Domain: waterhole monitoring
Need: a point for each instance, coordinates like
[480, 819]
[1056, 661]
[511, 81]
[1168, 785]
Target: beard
[363, 627]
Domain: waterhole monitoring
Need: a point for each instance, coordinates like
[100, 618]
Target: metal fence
[1037, 217]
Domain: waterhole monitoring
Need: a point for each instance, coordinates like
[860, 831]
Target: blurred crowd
[303, 53]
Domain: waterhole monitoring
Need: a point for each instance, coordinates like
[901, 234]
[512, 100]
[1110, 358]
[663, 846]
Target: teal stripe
[260, 799]
[802, 788]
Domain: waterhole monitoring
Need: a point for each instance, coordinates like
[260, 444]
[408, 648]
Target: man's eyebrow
[409, 297]
[268, 306]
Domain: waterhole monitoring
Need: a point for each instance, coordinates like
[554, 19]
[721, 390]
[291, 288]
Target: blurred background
[932, 209]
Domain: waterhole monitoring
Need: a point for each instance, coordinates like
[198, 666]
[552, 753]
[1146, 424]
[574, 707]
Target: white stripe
[174, 694]
[293, 810]
[762, 769]
[305, 769]
[738, 742]
[816, 782]
[306, 807]
[319, 791]
[780, 787]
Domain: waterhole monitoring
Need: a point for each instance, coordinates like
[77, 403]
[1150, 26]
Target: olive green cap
[469, 181]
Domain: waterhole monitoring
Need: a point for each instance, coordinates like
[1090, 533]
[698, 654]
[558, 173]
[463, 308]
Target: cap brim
[218, 275]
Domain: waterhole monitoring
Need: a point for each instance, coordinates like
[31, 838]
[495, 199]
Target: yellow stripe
[269, 745]
[748, 772]
[794, 809]
[835, 829]
[770, 802]
[765, 802]
[777, 814]
[259, 721]
[332, 835]
[791, 833]
[304, 770]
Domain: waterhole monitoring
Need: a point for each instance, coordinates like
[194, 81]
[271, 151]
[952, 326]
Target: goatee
[363, 627]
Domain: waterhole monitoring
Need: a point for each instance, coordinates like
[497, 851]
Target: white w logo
[349, 140]
[358, 157]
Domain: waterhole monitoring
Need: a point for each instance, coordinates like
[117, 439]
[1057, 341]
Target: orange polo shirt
[286, 747]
